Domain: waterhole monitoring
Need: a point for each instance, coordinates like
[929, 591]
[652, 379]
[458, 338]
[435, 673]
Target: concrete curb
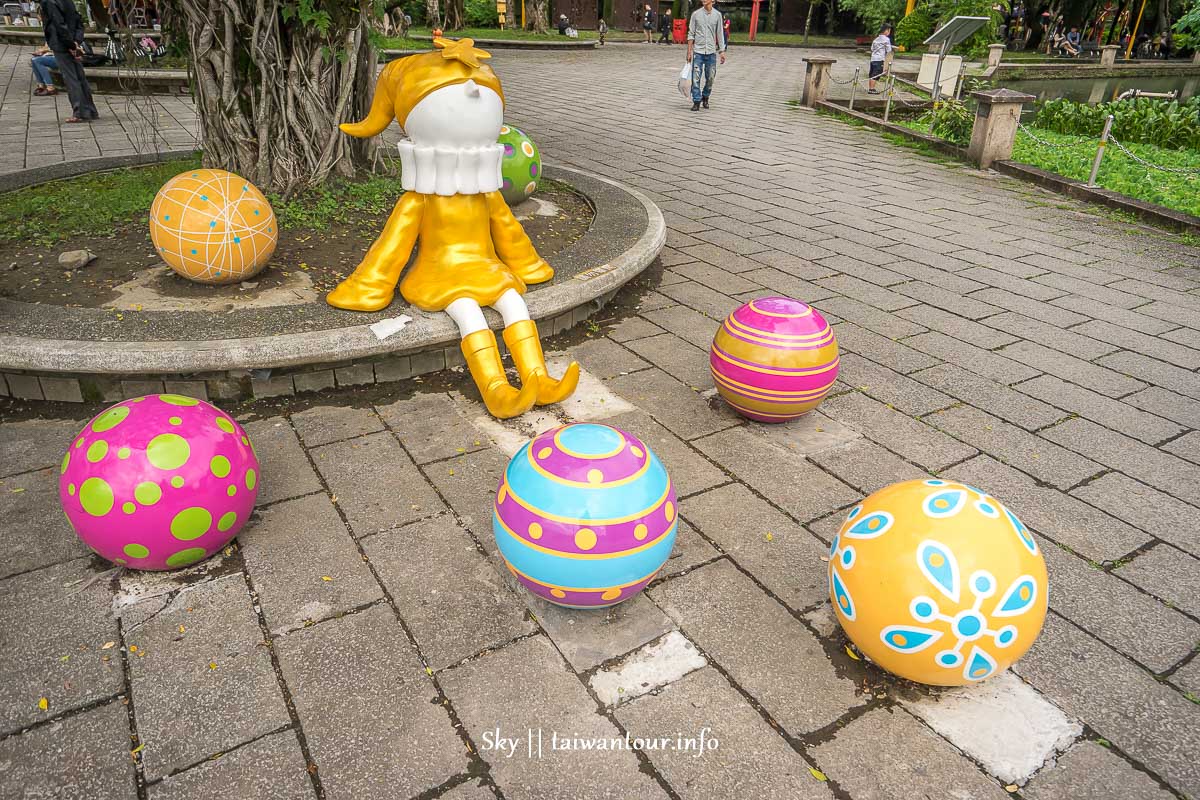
[1150, 212]
[585, 291]
[57, 172]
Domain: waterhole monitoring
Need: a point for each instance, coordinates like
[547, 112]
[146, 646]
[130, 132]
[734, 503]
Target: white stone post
[997, 114]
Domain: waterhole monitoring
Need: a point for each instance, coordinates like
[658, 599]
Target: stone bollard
[995, 51]
[997, 112]
[1196, 57]
[1108, 55]
[816, 80]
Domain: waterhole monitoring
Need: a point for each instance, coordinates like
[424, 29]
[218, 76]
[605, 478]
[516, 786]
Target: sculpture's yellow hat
[406, 81]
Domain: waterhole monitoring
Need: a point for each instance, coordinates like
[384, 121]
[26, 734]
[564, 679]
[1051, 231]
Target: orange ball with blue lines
[212, 226]
[585, 516]
[774, 359]
[938, 582]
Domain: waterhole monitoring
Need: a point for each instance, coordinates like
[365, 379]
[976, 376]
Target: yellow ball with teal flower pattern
[521, 166]
[938, 582]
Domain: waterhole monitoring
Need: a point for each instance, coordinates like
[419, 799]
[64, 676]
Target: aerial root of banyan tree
[273, 80]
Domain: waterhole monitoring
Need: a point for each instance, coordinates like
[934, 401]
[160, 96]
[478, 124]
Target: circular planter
[81, 355]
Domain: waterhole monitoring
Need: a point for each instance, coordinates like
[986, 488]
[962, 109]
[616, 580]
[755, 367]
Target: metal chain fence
[1151, 165]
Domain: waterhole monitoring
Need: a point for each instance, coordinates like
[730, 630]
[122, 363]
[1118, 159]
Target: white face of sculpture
[456, 116]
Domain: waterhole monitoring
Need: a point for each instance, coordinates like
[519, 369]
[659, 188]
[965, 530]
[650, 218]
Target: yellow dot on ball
[79, 443]
[559, 593]
[500, 498]
[1024, 592]
[874, 523]
[595, 476]
[940, 503]
[585, 538]
[123, 453]
[224, 424]
[175, 421]
[147, 493]
[899, 639]
[231, 491]
[545, 452]
[637, 451]
[71, 490]
[843, 602]
[937, 560]
[129, 508]
[535, 530]
[670, 511]
[611, 594]
[177, 481]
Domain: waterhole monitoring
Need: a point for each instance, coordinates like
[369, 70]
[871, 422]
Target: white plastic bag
[685, 81]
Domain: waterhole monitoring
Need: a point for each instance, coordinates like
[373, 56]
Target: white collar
[450, 170]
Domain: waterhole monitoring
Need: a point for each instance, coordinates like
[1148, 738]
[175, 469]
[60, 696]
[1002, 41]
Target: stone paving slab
[373, 721]
[750, 761]
[525, 693]
[270, 768]
[33, 498]
[202, 676]
[451, 596]
[888, 754]
[285, 469]
[303, 563]
[85, 755]
[759, 645]
[56, 623]
[1092, 771]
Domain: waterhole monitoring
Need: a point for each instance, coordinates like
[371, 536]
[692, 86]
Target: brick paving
[991, 333]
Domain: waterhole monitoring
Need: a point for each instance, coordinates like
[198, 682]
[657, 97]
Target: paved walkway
[360, 641]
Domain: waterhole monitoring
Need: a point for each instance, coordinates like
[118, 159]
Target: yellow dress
[470, 245]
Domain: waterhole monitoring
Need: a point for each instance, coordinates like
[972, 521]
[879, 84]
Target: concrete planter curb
[232, 368]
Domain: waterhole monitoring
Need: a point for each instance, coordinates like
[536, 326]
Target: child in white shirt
[879, 50]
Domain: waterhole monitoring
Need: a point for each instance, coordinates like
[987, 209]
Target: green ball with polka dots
[521, 167]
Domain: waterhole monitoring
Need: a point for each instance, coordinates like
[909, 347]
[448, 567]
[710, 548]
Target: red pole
[754, 19]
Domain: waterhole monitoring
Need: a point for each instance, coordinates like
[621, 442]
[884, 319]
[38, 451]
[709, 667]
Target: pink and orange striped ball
[774, 359]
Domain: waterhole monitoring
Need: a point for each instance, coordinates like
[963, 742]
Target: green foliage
[346, 203]
[914, 29]
[977, 45]
[307, 13]
[482, 14]
[1189, 23]
[1163, 123]
[874, 13]
[92, 205]
[951, 120]
[1118, 172]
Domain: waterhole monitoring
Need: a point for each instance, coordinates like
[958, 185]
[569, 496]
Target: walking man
[879, 51]
[64, 36]
[705, 45]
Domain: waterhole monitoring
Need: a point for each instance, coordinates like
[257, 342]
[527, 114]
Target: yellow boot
[522, 340]
[483, 358]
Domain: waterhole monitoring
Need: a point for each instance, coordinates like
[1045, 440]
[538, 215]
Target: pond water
[1100, 90]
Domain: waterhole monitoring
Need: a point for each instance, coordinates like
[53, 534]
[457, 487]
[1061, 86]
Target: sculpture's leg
[373, 283]
[521, 336]
[483, 359]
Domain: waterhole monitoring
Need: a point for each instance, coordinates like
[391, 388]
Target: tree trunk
[510, 14]
[772, 14]
[432, 14]
[1164, 16]
[455, 15]
[273, 82]
[537, 16]
[808, 19]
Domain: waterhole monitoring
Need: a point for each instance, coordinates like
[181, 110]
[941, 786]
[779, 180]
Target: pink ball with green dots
[521, 166]
[159, 482]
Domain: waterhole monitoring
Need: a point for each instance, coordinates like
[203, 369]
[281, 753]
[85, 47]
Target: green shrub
[874, 13]
[481, 14]
[914, 29]
[951, 120]
[1169, 124]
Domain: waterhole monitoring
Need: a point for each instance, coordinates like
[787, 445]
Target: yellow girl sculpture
[472, 252]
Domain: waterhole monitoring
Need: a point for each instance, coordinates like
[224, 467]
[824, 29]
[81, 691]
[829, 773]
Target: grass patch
[99, 205]
[91, 205]
[1071, 157]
